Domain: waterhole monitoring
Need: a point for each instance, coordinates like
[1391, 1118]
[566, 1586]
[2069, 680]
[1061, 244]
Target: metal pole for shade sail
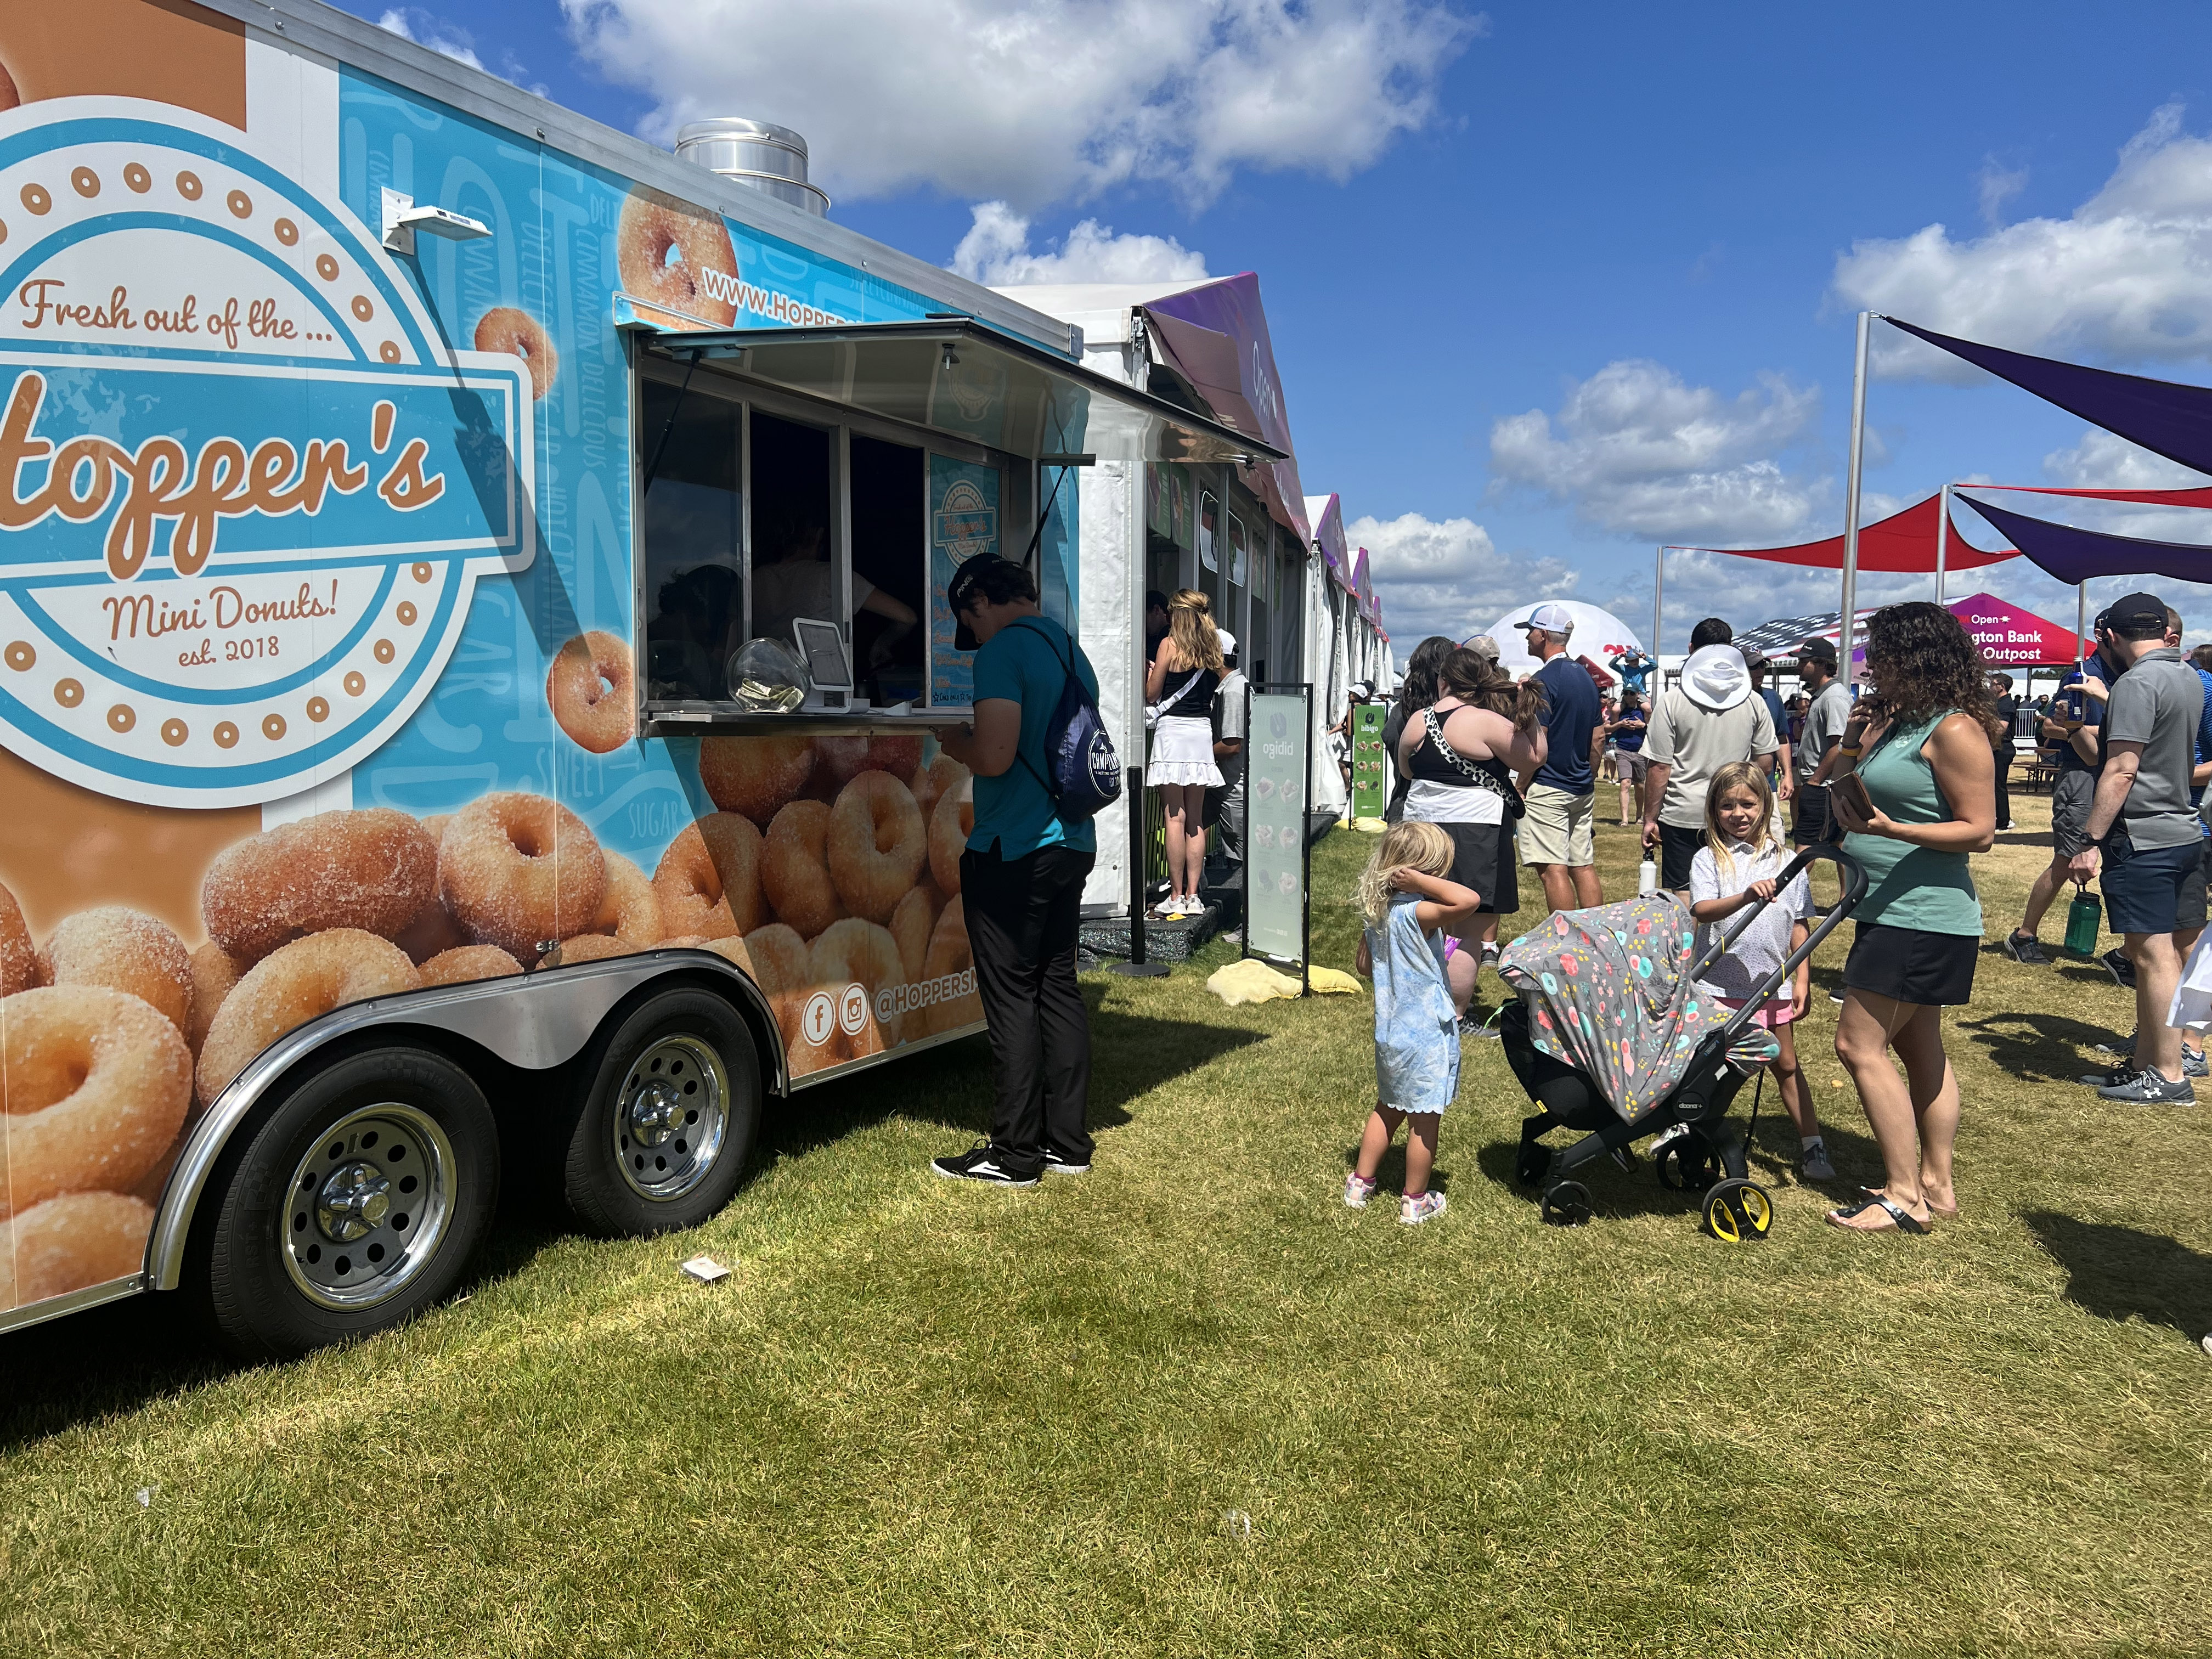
[1658, 606]
[2080, 622]
[1942, 538]
[1851, 499]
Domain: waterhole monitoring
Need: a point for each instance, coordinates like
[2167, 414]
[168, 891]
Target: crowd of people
[1910, 778]
[1494, 774]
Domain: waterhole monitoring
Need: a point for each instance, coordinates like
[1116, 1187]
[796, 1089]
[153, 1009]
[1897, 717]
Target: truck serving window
[693, 580]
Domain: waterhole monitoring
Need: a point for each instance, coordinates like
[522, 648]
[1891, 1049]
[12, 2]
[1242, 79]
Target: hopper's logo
[246, 491]
[966, 524]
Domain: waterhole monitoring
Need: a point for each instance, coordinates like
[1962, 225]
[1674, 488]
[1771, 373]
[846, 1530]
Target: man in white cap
[1226, 807]
[1707, 719]
[1556, 835]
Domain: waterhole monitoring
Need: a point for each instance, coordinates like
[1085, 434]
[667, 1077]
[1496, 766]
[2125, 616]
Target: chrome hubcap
[670, 1117]
[368, 1206]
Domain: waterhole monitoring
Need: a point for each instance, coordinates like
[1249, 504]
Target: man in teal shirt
[1021, 881]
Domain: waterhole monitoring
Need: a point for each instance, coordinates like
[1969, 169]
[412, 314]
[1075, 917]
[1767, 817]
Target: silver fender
[534, 1022]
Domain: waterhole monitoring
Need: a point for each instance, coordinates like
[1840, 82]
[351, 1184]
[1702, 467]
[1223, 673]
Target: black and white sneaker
[1056, 1165]
[2122, 971]
[2149, 1087]
[982, 1163]
[2027, 949]
[2118, 1078]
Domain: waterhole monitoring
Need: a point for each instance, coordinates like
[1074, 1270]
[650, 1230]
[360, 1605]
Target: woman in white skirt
[1180, 690]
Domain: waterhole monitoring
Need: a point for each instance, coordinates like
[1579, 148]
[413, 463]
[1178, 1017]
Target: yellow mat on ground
[1254, 980]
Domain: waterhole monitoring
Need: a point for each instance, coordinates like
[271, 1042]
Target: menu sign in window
[1275, 801]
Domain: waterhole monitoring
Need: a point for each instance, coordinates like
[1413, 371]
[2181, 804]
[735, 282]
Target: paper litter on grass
[705, 1269]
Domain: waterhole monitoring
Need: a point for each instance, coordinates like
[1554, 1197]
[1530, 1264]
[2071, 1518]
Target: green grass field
[1193, 1405]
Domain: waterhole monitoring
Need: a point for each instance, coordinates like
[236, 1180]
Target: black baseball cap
[1817, 651]
[2134, 611]
[976, 579]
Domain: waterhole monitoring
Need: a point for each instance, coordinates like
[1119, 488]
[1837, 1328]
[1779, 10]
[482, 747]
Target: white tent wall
[1111, 520]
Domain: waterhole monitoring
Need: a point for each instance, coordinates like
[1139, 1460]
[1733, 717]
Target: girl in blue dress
[1409, 907]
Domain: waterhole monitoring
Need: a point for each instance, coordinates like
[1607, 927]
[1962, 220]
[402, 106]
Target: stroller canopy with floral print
[1609, 993]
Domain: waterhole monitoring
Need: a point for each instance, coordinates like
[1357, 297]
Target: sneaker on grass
[1056, 1165]
[2118, 1047]
[2194, 1064]
[1358, 1189]
[2149, 1087]
[1413, 1212]
[2122, 971]
[1813, 1161]
[2026, 948]
[2118, 1076]
[983, 1163]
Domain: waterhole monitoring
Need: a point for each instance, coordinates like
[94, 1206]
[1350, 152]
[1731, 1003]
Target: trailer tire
[671, 1098]
[357, 1203]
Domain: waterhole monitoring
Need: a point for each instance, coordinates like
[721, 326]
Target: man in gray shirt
[1825, 720]
[1705, 720]
[2150, 836]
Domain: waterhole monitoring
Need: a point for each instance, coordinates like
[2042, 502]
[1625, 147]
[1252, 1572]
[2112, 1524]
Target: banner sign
[1370, 778]
[1275, 869]
[245, 491]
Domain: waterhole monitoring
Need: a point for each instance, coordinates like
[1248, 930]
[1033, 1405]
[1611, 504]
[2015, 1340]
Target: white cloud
[2127, 277]
[996, 251]
[1996, 186]
[1446, 577]
[2104, 460]
[413, 23]
[1639, 452]
[1033, 100]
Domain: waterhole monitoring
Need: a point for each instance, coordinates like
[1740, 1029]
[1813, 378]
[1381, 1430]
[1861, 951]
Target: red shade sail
[1905, 541]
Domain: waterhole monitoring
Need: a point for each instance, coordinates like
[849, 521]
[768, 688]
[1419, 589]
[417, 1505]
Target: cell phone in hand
[1851, 790]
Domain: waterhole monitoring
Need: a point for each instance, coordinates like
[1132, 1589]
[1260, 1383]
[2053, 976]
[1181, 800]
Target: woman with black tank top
[1468, 757]
[1180, 686]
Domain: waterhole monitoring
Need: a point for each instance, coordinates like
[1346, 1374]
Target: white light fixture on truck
[402, 219]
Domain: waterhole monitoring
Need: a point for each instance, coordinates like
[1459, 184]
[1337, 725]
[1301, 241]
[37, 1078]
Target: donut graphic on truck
[348, 852]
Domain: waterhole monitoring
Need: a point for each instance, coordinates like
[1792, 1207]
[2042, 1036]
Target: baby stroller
[1612, 1036]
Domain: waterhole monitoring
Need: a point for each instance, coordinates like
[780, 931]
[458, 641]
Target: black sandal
[1900, 1216]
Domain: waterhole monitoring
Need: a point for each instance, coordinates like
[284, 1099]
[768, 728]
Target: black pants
[1021, 916]
[2002, 758]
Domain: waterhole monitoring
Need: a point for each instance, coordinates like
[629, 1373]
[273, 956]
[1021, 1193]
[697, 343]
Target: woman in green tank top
[1919, 740]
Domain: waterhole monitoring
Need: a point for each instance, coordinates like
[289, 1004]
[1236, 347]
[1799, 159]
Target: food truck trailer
[399, 477]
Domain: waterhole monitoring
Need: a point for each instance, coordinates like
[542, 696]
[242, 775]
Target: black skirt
[1908, 965]
[1482, 858]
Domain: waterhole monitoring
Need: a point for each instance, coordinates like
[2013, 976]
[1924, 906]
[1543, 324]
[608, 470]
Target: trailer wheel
[671, 1098]
[357, 1204]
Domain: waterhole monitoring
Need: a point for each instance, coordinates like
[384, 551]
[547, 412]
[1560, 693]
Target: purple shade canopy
[2164, 416]
[2079, 555]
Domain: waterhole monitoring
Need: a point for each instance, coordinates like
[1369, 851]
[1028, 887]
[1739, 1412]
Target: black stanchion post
[1133, 795]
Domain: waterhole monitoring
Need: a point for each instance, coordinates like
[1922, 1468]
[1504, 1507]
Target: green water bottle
[2083, 918]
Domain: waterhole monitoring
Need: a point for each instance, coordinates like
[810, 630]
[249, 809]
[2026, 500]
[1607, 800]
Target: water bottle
[1647, 878]
[2083, 918]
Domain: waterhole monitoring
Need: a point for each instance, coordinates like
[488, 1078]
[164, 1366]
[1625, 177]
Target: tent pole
[2081, 621]
[1942, 539]
[1658, 605]
[1851, 501]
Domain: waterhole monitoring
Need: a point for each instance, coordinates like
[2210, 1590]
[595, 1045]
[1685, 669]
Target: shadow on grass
[951, 1085]
[2123, 1273]
[2037, 1048]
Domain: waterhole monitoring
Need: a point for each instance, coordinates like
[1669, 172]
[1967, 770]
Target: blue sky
[1547, 284]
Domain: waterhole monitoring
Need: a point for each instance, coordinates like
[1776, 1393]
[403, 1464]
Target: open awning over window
[954, 376]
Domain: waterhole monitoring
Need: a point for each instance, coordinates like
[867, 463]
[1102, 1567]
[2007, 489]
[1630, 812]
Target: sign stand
[1277, 808]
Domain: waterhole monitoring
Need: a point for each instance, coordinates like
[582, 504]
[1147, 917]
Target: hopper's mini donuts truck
[390, 463]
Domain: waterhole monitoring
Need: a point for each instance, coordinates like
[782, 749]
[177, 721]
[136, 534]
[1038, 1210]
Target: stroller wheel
[1567, 1205]
[1738, 1212]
